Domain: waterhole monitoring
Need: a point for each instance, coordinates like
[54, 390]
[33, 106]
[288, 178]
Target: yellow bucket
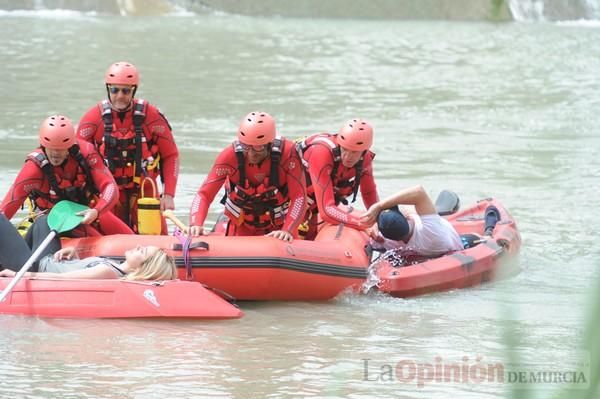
[148, 211]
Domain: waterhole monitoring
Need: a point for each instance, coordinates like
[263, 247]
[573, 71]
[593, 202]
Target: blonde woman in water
[141, 262]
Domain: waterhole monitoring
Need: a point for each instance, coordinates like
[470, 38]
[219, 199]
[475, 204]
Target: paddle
[63, 217]
[171, 216]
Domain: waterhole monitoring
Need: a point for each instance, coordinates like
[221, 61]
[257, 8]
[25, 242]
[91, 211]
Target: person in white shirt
[424, 233]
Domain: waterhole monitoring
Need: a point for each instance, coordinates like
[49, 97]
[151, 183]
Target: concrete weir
[358, 9]
[457, 10]
[367, 9]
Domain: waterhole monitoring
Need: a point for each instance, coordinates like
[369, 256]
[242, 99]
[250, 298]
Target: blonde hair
[159, 266]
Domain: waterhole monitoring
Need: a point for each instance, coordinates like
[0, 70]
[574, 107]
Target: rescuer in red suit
[338, 166]
[264, 183]
[136, 141]
[61, 168]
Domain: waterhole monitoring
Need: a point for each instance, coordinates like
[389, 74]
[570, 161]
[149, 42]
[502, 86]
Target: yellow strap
[154, 163]
[138, 179]
[303, 227]
[30, 207]
[152, 183]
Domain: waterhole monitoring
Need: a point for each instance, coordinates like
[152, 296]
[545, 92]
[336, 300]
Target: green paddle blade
[63, 216]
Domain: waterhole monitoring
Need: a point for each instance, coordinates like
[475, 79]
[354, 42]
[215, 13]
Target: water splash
[104, 7]
[527, 10]
[125, 7]
[554, 10]
[593, 6]
[393, 257]
[372, 280]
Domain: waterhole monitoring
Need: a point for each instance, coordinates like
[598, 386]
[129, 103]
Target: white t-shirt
[432, 236]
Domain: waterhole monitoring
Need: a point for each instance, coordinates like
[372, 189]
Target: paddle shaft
[27, 265]
[171, 216]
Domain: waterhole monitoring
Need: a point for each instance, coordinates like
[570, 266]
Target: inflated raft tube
[78, 298]
[257, 268]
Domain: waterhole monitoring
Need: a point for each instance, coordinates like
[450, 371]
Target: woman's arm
[100, 271]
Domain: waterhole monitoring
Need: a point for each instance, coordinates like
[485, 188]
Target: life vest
[131, 154]
[342, 189]
[261, 206]
[80, 189]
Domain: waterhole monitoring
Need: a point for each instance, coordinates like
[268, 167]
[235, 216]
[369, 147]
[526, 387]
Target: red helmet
[257, 128]
[122, 73]
[57, 133]
[356, 135]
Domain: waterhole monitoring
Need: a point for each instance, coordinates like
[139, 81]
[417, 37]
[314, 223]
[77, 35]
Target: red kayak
[488, 259]
[114, 299]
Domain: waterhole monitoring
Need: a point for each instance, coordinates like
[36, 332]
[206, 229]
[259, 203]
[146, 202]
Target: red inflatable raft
[114, 299]
[488, 259]
[258, 268]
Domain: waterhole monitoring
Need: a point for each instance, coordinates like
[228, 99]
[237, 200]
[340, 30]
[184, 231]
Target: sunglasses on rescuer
[255, 148]
[124, 90]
